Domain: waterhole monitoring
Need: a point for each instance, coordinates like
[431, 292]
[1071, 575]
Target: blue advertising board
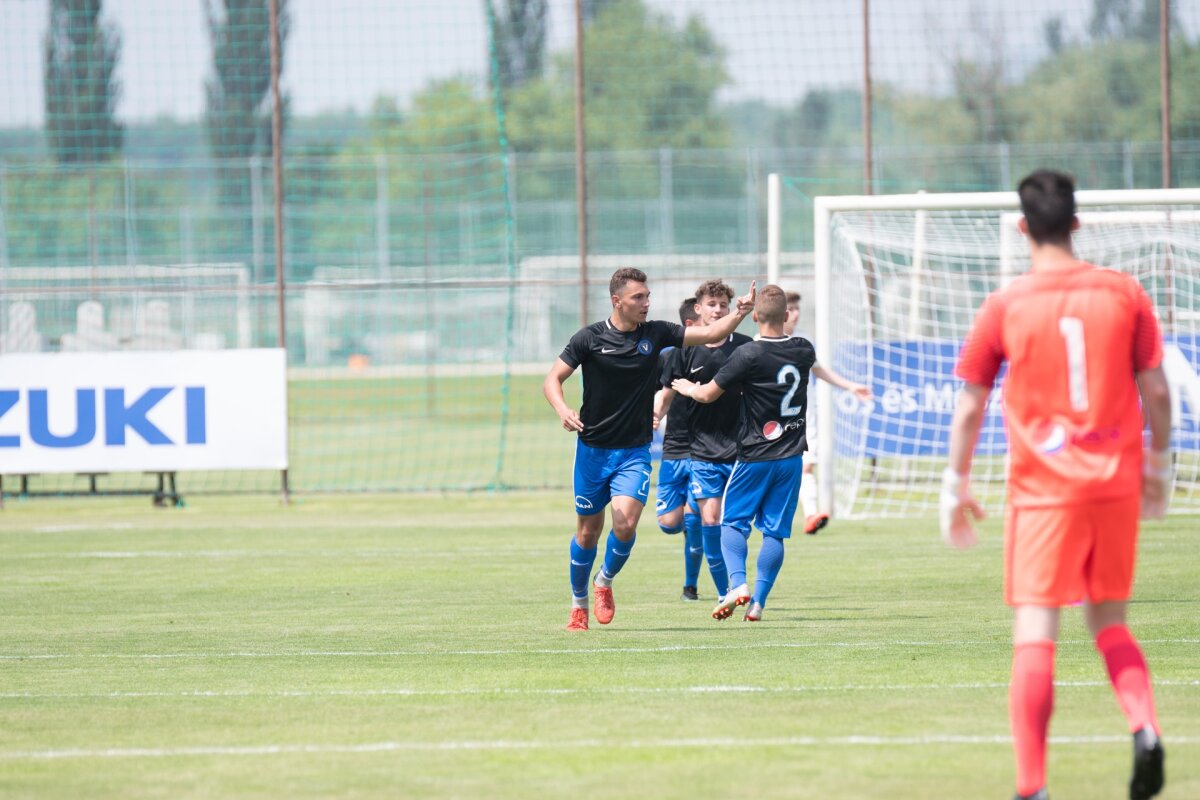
[915, 389]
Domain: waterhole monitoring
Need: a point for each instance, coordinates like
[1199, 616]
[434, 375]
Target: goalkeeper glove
[955, 502]
[1156, 483]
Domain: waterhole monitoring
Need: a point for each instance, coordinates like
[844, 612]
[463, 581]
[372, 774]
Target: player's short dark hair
[1048, 202]
[714, 288]
[687, 311]
[793, 298]
[623, 276]
[771, 305]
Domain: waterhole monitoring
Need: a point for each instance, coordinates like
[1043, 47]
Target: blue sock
[616, 553]
[733, 549]
[581, 568]
[693, 549]
[716, 560]
[669, 530]
[770, 559]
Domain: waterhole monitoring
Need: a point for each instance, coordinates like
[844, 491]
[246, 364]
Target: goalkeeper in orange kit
[1084, 353]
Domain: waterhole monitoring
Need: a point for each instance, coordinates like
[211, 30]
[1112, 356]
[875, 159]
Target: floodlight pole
[581, 166]
[868, 165]
[1164, 68]
[773, 223]
[277, 161]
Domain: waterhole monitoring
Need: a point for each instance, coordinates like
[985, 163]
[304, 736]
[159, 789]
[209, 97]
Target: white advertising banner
[143, 411]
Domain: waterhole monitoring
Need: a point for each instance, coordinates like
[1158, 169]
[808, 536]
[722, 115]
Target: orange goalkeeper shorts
[1060, 555]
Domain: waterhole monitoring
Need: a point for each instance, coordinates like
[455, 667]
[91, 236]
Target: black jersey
[675, 437]
[620, 376]
[713, 426]
[773, 377]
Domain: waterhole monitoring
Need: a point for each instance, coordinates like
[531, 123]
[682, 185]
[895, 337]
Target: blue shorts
[602, 473]
[763, 493]
[673, 474]
[709, 479]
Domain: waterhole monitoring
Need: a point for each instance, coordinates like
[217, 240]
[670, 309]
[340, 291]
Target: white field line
[599, 690]
[371, 553]
[320, 520]
[866, 645]
[572, 744]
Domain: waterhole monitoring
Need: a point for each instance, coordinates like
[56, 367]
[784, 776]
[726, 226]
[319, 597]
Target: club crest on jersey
[644, 347]
[772, 431]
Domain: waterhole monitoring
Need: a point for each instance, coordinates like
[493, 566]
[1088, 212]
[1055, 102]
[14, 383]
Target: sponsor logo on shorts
[772, 431]
[660, 505]
[644, 347]
[583, 502]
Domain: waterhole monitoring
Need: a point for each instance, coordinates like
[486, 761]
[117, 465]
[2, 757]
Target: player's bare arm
[662, 404]
[956, 501]
[700, 392]
[719, 331]
[552, 388]
[861, 391]
[1156, 469]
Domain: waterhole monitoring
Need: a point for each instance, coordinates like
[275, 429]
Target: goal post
[898, 279]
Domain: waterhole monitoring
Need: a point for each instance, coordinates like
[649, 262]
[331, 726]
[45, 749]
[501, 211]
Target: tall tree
[81, 91]
[593, 7]
[1119, 19]
[238, 113]
[520, 34]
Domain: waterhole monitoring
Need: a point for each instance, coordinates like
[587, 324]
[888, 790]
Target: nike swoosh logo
[694, 371]
[606, 351]
[580, 563]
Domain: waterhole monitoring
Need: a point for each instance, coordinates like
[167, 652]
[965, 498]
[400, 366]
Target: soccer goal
[898, 281]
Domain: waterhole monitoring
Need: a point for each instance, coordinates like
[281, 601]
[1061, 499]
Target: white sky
[344, 53]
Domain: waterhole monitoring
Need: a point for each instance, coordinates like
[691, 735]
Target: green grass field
[412, 647]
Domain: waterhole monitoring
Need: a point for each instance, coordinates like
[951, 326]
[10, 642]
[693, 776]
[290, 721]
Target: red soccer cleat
[579, 620]
[605, 607]
[753, 613]
[815, 523]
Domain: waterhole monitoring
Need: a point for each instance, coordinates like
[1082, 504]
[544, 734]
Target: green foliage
[81, 89]
[648, 84]
[238, 110]
[238, 114]
[77, 216]
[520, 37]
[1120, 19]
[591, 8]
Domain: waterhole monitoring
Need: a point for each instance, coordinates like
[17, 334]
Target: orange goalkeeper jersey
[1073, 339]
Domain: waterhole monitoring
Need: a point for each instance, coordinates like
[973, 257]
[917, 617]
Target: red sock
[1129, 675]
[1030, 703]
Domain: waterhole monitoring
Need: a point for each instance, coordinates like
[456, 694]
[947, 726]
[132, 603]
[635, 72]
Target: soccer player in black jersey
[619, 356]
[674, 506]
[772, 374]
[712, 428]
[814, 518]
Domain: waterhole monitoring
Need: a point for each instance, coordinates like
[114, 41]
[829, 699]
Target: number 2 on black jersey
[788, 374]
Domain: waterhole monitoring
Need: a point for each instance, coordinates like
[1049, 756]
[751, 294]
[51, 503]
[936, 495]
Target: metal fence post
[666, 199]
[382, 234]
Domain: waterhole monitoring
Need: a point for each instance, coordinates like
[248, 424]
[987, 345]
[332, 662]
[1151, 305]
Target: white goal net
[899, 280]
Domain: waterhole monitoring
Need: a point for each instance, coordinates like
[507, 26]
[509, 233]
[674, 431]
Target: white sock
[602, 578]
[579, 602]
[808, 493]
